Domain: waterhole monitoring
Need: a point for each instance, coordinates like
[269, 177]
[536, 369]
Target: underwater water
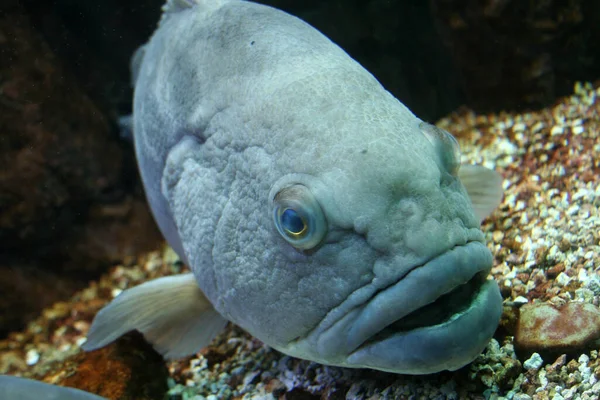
[517, 86]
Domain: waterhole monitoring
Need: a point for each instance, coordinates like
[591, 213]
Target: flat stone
[550, 330]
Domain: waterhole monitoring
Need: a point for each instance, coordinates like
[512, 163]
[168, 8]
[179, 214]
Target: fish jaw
[439, 316]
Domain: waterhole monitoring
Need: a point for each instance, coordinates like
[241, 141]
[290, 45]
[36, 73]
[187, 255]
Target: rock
[127, 370]
[69, 202]
[533, 362]
[25, 291]
[95, 41]
[513, 54]
[51, 163]
[48, 349]
[550, 331]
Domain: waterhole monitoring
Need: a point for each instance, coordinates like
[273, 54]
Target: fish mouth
[443, 309]
[439, 316]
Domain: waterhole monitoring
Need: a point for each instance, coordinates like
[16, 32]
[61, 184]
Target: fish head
[370, 255]
[316, 210]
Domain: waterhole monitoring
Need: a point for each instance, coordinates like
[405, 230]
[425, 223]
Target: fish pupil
[292, 222]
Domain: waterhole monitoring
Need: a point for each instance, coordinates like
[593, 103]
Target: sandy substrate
[546, 241]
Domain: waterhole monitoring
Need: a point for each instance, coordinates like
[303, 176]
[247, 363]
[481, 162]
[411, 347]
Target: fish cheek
[258, 287]
[196, 204]
[279, 300]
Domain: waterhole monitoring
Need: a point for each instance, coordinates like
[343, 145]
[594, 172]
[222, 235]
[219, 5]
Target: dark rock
[514, 54]
[95, 41]
[508, 321]
[127, 370]
[506, 376]
[553, 272]
[69, 201]
[551, 331]
[53, 153]
[26, 290]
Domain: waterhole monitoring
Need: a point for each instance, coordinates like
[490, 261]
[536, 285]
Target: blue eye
[298, 217]
[292, 222]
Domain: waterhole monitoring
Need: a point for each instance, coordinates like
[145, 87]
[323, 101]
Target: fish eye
[292, 223]
[445, 143]
[298, 217]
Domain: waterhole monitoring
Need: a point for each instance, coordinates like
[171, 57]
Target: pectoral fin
[171, 312]
[484, 187]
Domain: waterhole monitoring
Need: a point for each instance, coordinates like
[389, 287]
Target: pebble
[32, 357]
[520, 300]
[547, 329]
[522, 396]
[534, 362]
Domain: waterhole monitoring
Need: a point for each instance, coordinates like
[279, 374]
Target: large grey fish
[13, 388]
[314, 209]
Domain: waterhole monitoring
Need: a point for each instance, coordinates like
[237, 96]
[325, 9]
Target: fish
[313, 208]
[12, 387]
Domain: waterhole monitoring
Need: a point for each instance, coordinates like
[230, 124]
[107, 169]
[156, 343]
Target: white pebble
[534, 362]
[521, 300]
[585, 295]
[578, 130]
[32, 357]
[557, 130]
[563, 279]
[522, 396]
[519, 127]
